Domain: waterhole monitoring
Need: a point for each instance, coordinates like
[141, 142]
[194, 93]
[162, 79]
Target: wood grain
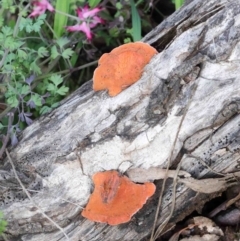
[91, 132]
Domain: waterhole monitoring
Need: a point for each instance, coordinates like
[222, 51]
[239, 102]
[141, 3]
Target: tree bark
[183, 111]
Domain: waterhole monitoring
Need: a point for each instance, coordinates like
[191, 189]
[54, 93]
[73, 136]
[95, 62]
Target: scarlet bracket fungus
[122, 67]
[116, 198]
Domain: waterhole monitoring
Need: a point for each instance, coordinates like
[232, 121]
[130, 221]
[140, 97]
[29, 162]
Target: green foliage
[54, 52]
[178, 3]
[3, 223]
[6, 4]
[60, 51]
[30, 25]
[25, 53]
[42, 52]
[93, 3]
[62, 41]
[55, 87]
[67, 53]
[119, 5]
[8, 42]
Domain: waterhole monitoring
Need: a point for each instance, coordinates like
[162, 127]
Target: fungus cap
[116, 198]
[122, 67]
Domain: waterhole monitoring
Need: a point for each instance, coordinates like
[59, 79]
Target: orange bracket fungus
[122, 67]
[116, 198]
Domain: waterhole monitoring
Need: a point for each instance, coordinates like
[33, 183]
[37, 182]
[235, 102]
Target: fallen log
[183, 111]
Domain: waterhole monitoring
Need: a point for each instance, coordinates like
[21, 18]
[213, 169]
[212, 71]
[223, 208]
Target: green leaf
[1, 21]
[1, 126]
[42, 17]
[36, 99]
[127, 40]
[7, 30]
[114, 32]
[56, 79]
[6, 4]
[136, 22]
[24, 23]
[25, 89]
[54, 52]
[21, 54]
[35, 68]
[119, 5]
[62, 90]
[60, 20]
[178, 3]
[62, 41]
[52, 88]
[29, 28]
[3, 223]
[11, 44]
[13, 101]
[93, 3]
[10, 57]
[12, 9]
[7, 68]
[2, 37]
[24, 12]
[42, 52]
[55, 105]
[67, 53]
[45, 109]
[39, 22]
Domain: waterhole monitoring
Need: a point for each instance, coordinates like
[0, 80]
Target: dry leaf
[153, 173]
[209, 185]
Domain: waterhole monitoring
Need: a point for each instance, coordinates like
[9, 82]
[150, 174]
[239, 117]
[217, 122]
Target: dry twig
[30, 198]
[154, 234]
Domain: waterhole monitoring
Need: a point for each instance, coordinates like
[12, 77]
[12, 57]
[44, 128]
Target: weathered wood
[91, 132]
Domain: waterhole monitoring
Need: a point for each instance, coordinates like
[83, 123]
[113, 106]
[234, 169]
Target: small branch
[63, 72]
[30, 198]
[68, 70]
[54, 196]
[6, 139]
[4, 237]
[3, 114]
[4, 57]
[154, 234]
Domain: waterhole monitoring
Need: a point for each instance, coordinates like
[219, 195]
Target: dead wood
[197, 67]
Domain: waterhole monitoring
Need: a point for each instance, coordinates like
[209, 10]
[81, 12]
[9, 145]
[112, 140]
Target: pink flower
[40, 7]
[84, 13]
[88, 20]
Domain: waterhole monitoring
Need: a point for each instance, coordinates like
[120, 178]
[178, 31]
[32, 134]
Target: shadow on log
[188, 100]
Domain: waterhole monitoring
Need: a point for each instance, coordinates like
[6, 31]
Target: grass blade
[60, 20]
[136, 23]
